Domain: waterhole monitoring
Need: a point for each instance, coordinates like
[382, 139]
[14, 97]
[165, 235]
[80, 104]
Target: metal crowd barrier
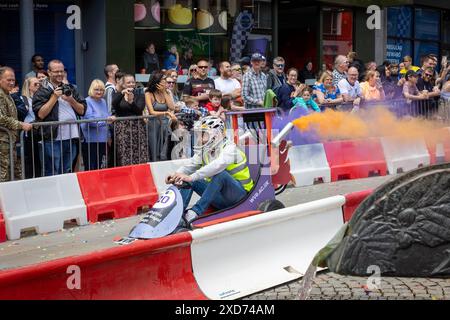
[36, 145]
[431, 109]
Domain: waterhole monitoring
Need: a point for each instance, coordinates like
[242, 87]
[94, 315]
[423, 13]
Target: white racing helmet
[214, 127]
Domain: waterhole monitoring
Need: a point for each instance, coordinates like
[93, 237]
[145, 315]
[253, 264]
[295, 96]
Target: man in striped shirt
[340, 69]
[254, 84]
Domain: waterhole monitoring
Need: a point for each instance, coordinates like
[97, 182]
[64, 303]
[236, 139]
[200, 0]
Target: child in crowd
[410, 90]
[229, 105]
[214, 105]
[181, 142]
[191, 106]
[306, 101]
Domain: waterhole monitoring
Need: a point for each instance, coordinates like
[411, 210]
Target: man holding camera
[57, 101]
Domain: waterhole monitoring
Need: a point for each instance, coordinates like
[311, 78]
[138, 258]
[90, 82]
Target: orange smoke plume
[375, 122]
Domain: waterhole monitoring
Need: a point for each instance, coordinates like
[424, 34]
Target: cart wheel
[270, 205]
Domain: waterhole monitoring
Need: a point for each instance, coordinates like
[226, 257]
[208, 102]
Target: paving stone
[391, 294]
[336, 287]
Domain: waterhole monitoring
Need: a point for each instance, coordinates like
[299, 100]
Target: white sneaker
[190, 216]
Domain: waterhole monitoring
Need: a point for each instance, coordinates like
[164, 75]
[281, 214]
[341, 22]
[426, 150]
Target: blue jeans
[59, 156]
[222, 192]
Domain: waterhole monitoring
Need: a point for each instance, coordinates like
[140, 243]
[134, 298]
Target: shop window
[424, 48]
[332, 22]
[263, 14]
[446, 27]
[399, 22]
[396, 49]
[426, 36]
[204, 27]
[52, 37]
[427, 24]
[337, 33]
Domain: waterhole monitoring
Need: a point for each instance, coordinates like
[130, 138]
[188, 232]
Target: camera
[132, 91]
[66, 89]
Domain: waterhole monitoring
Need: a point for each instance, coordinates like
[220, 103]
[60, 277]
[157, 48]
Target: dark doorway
[299, 34]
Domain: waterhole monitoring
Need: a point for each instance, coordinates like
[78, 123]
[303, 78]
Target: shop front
[416, 31]
[178, 33]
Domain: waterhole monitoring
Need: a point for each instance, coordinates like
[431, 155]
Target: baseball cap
[411, 73]
[257, 57]
[244, 60]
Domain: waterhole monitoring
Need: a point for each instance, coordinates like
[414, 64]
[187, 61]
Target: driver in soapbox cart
[218, 172]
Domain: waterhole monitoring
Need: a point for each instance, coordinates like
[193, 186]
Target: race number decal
[161, 209]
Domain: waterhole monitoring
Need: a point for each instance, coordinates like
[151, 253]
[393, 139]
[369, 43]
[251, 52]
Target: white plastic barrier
[309, 164]
[160, 171]
[43, 203]
[241, 257]
[404, 155]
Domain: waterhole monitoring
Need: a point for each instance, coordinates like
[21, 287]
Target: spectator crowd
[125, 122]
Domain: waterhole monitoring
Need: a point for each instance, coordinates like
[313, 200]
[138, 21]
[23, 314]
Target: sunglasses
[428, 75]
[203, 67]
[170, 82]
[279, 65]
[238, 70]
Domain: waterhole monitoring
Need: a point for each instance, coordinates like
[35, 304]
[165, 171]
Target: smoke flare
[375, 122]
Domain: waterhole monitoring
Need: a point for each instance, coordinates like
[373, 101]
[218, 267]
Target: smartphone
[379, 83]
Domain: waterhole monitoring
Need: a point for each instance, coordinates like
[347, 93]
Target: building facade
[118, 31]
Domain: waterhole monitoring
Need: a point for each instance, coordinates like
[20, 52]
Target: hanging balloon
[147, 14]
[177, 15]
[212, 22]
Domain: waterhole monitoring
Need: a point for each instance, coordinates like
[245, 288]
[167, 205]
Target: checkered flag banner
[404, 22]
[242, 28]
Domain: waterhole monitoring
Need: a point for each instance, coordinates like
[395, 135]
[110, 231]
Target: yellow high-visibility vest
[238, 171]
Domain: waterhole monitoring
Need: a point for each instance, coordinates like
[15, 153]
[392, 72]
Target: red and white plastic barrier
[309, 164]
[158, 269]
[224, 261]
[439, 146]
[118, 192]
[2, 228]
[43, 204]
[161, 170]
[241, 257]
[352, 202]
[405, 154]
[46, 203]
[355, 159]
